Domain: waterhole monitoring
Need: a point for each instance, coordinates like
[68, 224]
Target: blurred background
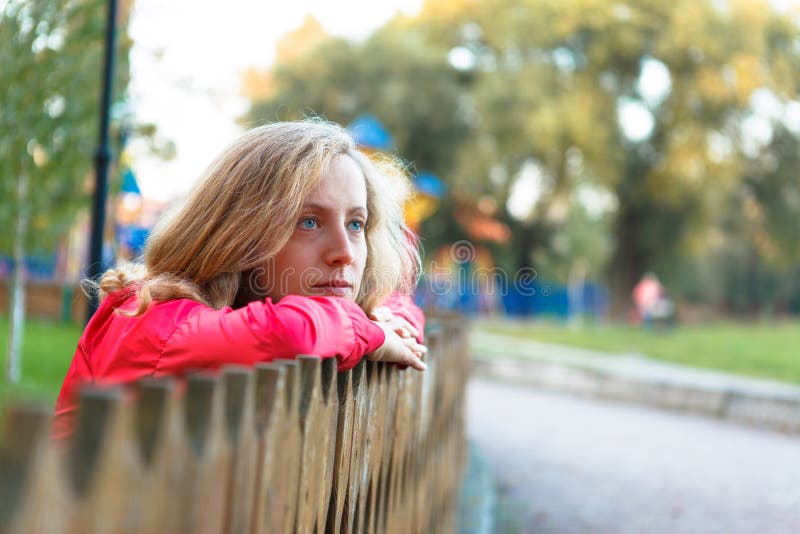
[621, 177]
[561, 151]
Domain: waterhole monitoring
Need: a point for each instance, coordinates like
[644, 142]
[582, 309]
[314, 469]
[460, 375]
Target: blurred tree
[50, 64]
[756, 238]
[656, 98]
[408, 86]
[658, 107]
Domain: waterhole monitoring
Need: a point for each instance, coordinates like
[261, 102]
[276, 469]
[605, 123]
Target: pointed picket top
[153, 396]
[209, 464]
[96, 408]
[31, 485]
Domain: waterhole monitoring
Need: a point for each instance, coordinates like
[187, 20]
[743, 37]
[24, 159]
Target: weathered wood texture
[289, 446]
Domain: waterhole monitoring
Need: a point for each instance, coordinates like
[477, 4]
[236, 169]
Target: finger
[396, 324]
[410, 327]
[419, 350]
[416, 347]
[409, 342]
[417, 364]
[403, 327]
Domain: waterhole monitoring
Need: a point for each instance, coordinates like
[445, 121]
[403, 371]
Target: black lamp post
[102, 157]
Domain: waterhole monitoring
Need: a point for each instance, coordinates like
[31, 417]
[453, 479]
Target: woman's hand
[400, 326]
[397, 349]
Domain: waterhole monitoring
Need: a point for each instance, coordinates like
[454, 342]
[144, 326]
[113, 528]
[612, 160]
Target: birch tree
[50, 62]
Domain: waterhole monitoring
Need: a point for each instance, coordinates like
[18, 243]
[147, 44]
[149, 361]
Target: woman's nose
[339, 250]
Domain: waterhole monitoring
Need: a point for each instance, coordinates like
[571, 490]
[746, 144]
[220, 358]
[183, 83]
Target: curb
[777, 411]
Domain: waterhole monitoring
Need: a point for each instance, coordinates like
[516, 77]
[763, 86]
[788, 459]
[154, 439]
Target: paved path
[568, 464]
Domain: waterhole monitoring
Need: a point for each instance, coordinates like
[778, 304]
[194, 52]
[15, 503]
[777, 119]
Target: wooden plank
[389, 411]
[377, 435]
[357, 471]
[318, 417]
[162, 447]
[329, 406]
[208, 463]
[241, 432]
[368, 437]
[291, 446]
[396, 516]
[270, 409]
[343, 451]
[33, 492]
[103, 466]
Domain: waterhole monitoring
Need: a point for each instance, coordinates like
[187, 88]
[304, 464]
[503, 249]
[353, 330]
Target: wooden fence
[289, 446]
[54, 301]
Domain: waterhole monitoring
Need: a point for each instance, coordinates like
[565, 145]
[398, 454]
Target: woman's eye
[308, 223]
[356, 226]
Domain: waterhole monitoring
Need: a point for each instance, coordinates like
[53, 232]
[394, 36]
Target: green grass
[766, 350]
[46, 353]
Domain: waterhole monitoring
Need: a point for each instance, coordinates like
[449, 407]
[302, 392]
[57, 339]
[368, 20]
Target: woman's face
[327, 251]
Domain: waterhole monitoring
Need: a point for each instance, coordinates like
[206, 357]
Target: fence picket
[208, 462]
[33, 488]
[270, 419]
[163, 450]
[291, 446]
[241, 431]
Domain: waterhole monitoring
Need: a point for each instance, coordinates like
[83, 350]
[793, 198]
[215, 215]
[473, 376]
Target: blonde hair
[245, 209]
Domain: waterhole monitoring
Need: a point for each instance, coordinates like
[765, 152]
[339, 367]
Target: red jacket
[176, 336]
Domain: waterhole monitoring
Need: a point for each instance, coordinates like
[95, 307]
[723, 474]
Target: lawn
[47, 351]
[763, 349]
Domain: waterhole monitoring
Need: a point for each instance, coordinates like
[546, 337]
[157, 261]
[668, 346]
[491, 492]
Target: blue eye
[308, 223]
[356, 226]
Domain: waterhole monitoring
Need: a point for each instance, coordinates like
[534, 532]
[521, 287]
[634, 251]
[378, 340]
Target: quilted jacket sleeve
[264, 331]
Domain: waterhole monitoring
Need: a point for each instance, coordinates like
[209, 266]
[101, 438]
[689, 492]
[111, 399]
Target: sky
[186, 66]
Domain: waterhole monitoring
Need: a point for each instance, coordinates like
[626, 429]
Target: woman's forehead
[342, 183]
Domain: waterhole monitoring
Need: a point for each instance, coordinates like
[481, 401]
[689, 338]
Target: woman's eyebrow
[314, 206]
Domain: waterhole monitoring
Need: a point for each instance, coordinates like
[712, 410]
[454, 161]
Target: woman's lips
[337, 290]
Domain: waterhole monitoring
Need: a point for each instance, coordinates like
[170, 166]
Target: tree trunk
[16, 292]
[631, 256]
[626, 264]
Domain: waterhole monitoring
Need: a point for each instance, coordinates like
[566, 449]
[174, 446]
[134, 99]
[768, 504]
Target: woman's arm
[263, 331]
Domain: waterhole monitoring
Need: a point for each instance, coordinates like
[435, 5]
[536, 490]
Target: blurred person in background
[652, 303]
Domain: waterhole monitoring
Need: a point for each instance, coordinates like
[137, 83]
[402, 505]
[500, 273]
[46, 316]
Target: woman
[293, 243]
